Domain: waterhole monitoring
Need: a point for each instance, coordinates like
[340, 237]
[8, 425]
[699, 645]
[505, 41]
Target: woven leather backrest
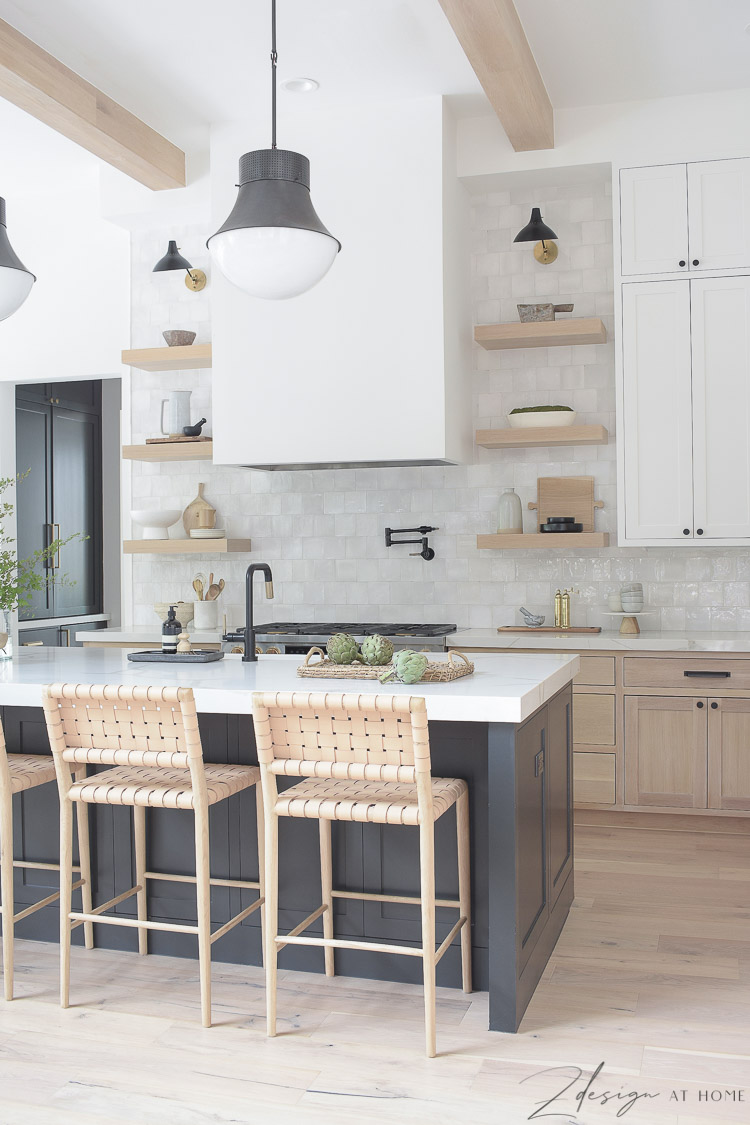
[360, 737]
[109, 724]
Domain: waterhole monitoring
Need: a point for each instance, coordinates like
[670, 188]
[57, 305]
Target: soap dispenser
[170, 631]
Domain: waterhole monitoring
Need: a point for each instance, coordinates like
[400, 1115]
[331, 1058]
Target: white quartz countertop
[505, 688]
[608, 640]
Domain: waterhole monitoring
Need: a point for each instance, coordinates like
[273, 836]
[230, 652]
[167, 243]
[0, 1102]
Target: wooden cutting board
[566, 496]
[191, 514]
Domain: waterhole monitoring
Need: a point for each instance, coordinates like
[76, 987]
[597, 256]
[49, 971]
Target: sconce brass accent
[195, 280]
[545, 252]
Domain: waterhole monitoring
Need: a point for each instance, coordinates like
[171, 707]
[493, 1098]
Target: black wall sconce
[427, 552]
[173, 260]
[537, 231]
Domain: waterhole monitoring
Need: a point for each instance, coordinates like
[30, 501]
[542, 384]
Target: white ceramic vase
[205, 615]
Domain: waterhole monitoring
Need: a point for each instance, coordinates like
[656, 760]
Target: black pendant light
[537, 231]
[273, 244]
[15, 280]
[173, 260]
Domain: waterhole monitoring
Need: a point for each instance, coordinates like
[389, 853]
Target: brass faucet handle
[269, 589]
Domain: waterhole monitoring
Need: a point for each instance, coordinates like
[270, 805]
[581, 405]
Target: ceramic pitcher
[175, 412]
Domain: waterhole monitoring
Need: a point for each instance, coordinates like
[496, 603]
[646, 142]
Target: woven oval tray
[436, 672]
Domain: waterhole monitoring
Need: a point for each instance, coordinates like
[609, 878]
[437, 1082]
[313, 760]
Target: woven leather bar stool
[363, 758]
[150, 736]
[19, 773]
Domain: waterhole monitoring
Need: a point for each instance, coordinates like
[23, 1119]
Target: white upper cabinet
[719, 214]
[721, 406]
[690, 217]
[654, 219]
[686, 411]
[657, 430]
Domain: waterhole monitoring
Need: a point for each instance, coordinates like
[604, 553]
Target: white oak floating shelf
[170, 451]
[545, 540]
[541, 333]
[186, 546]
[191, 357]
[543, 435]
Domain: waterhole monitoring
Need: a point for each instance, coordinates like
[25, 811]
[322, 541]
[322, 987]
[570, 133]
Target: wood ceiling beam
[41, 85]
[495, 44]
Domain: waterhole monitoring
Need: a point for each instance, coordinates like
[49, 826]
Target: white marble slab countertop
[608, 640]
[505, 688]
[144, 634]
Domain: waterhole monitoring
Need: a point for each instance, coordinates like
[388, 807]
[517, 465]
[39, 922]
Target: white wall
[698, 127]
[76, 319]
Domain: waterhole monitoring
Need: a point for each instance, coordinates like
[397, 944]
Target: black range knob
[683, 262]
[699, 703]
[714, 706]
[700, 531]
[696, 262]
[686, 531]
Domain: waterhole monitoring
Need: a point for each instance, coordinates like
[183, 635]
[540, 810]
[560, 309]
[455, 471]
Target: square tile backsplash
[323, 531]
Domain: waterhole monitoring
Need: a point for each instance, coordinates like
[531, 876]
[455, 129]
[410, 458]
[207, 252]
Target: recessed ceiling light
[300, 85]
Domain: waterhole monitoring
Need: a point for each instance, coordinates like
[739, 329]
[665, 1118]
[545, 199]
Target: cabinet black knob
[683, 262]
[696, 262]
[700, 531]
[714, 706]
[699, 703]
[686, 531]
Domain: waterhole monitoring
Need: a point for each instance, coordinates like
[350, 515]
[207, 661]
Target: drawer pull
[716, 675]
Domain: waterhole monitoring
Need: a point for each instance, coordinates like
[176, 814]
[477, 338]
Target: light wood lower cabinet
[594, 719]
[666, 751]
[729, 754]
[593, 778]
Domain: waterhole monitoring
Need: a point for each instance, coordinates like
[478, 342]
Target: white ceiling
[178, 63]
[593, 52]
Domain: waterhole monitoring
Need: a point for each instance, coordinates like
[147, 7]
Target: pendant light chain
[274, 58]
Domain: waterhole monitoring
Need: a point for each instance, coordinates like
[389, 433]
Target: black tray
[556, 528]
[197, 656]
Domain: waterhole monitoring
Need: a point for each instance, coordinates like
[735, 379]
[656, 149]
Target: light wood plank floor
[651, 977]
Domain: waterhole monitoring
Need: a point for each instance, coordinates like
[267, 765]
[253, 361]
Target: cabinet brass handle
[717, 675]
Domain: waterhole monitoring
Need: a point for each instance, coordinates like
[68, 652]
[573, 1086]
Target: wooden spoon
[198, 587]
[214, 590]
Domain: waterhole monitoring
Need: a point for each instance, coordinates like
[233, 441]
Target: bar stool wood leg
[464, 886]
[66, 883]
[326, 884]
[203, 888]
[6, 890]
[84, 861]
[272, 913]
[427, 881]
[261, 836]
[139, 832]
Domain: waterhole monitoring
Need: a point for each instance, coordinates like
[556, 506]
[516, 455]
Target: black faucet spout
[249, 654]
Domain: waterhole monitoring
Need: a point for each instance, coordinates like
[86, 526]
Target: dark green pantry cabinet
[58, 441]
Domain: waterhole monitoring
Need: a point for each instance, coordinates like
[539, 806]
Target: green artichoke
[408, 665]
[343, 649]
[377, 650]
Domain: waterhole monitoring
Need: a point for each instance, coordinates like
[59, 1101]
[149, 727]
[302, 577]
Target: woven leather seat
[371, 802]
[29, 770]
[158, 788]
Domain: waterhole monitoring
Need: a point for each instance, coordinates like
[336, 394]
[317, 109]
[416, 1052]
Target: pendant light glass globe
[274, 262]
[15, 279]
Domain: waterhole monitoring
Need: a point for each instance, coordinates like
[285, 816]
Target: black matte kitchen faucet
[249, 653]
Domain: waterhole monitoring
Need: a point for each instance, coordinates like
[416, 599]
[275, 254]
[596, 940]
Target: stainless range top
[299, 637]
